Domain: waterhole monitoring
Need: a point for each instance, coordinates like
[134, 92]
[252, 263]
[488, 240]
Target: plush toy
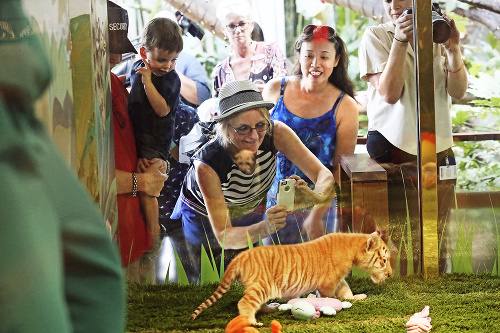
[312, 307]
[419, 322]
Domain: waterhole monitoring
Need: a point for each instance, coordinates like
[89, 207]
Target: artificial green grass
[458, 303]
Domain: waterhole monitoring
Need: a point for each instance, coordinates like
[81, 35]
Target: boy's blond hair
[162, 33]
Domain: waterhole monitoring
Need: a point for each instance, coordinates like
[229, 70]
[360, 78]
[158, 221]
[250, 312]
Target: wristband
[458, 70]
[401, 41]
[134, 184]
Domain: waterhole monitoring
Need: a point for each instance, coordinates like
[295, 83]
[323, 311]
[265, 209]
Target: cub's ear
[373, 242]
[382, 234]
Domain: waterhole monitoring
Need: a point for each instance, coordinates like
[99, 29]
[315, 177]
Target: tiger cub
[287, 271]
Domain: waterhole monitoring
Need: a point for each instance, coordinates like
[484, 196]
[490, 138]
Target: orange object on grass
[276, 326]
[241, 324]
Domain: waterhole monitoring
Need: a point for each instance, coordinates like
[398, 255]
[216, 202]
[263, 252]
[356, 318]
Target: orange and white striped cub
[287, 271]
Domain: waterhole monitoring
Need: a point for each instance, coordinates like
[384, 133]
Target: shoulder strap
[337, 102]
[283, 81]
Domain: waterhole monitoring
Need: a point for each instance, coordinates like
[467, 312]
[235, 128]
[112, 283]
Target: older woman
[317, 102]
[231, 174]
[248, 60]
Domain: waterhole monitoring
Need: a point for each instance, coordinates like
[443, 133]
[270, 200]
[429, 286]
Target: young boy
[154, 96]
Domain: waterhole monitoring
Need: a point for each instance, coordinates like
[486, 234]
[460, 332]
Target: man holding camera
[386, 61]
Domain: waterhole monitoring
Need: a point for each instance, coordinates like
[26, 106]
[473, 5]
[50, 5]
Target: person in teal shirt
[59, 269]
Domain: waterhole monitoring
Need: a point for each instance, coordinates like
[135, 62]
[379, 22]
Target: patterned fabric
[185, 118]
[153, 133]
[243, 192]
[319, 136]
[267, 63]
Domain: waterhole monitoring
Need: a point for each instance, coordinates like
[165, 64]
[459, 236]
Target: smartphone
[286, 193]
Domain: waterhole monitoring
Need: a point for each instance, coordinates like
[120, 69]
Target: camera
[441, 30]
[286, 193]
[189, 26]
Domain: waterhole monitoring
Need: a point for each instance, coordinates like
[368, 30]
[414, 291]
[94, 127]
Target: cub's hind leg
[344, 291]
[250, 303]
[327, 289]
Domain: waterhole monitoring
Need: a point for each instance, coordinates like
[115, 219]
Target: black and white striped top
[243, 192]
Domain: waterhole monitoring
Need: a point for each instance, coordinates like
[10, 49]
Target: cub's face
[375, 259]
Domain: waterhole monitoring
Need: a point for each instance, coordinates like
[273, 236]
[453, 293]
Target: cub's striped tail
[229, 277]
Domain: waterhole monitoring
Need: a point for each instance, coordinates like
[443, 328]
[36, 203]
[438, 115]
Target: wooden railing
[457, 137]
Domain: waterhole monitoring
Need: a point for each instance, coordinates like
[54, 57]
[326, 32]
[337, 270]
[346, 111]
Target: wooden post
[426, 154]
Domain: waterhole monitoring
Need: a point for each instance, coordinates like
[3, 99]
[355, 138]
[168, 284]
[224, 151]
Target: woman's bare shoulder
[271, 90]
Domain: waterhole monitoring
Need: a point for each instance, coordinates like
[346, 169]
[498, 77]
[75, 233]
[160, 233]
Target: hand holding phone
[286, 193]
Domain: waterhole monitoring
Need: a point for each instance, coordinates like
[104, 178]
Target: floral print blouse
[267, 63]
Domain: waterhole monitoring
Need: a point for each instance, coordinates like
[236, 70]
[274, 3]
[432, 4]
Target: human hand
[275, 218]
[454, 40]
[143, 164]
[154, 178]
[403, 30]
[162, 164]
[145, 72]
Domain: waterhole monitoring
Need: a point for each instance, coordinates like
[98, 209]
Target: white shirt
[398, 122]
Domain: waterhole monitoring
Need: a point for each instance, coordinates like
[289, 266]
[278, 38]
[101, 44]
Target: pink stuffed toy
[419, 322]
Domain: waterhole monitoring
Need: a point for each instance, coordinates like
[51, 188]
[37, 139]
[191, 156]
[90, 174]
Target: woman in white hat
[231, 174]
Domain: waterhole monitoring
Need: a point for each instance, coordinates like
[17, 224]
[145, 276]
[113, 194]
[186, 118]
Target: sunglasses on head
[319, 30]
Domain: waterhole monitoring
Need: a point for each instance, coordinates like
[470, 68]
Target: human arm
[390, 82]
[288, 143]
[218, 213]
[158, 103]
[189, 89]
[456, 72]
[150, 181]
[195, 86]
[272, 89]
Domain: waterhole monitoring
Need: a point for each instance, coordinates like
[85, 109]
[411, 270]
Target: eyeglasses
[241, 25]
[245, 129]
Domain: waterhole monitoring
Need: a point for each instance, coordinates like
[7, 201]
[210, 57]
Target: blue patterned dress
[319, 135]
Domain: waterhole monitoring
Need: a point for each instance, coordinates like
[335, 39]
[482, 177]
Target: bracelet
[134, 184]
[458, 70]
[401, 41]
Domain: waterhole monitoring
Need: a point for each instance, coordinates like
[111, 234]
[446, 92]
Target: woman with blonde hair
[258, 62]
